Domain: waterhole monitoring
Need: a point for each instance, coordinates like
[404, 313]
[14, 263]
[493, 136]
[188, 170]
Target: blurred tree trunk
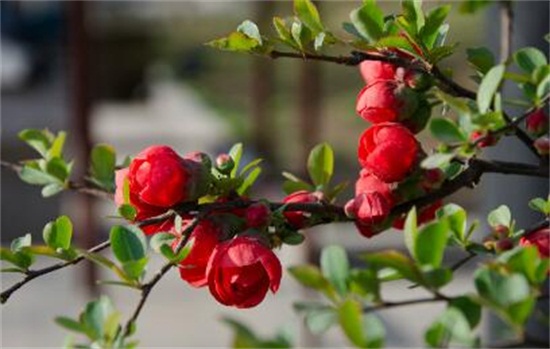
[79, 85]
[262, 90]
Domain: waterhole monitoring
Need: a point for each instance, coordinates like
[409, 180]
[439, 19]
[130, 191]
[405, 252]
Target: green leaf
[320, 164]
[309, 276]
[160, 239]
[437, 160]
[412, 11]
[540, 205]
[320, 320]
[526, 261]
[456, 217]
[500, 216]
[135, 268]
[236, 152]
[470, 309]
[451, 327]
[368, 20]
[70, 324]
[434, 20]
[489, 86]
[94, 316]
[58, 168]
[58, 233]
[306, 11]
[481, 58]
[128, 243]
[529, 58]
[236, 41]
[301, 34]
[20, 259]
[365, 283]
[19, 243]
[473, 6]
[319, 41]
[397, 42]
[410, 230]
[252, 164]
[37, 140]
[56, 148]
[103, 162]
[295, 184]
[394, 260]
[501, 290]
[490, 121]
[437, 278]
[335, 267]
[445, 130]
[251, 30]
[127, 211]
[249, 181]
[34, 176]
[293, 238]
[350, 319]
[283, 31]
[52, 189]
[431, 242]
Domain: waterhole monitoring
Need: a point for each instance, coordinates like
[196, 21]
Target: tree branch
[388, 305]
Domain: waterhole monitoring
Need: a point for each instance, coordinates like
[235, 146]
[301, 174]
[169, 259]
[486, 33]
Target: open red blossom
[204, 238]
[377, 102]
[241, 271]
[388, 150]
[540, 239]
[298, 219]
[159, 177]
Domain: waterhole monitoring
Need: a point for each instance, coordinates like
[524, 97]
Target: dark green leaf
[450, 327]
[103, 162]
[365, 283]
[529, 58]
[128, 243]
[412, 11]
[437, 278]
[394, 260]
[58, 234]
[470, 309]
[434, 20]
[335, 267]
[58, 168]
[320, 164]
[160, 239]
[481, 58]
[489, 86]
[368, 20]
[397, 42]
[293, 238]
[306, 11]
[446, 131]
[431, 242]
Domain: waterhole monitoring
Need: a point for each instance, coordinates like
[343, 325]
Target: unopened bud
[537, 123]
[542, 144]
[224, 163]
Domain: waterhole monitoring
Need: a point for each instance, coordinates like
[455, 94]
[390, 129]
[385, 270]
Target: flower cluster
[230, 252]
[388, 152]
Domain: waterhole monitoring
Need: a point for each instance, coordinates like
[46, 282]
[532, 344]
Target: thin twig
[388, 305]
[147, 287]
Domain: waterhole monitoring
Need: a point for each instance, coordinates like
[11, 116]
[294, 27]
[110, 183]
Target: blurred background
[136, 73]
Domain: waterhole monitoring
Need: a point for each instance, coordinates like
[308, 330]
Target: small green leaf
[481, 58]
[236, 41]
[283, 31]
[446, 131]
[309, 276]
[35, 176]
[319, 321]
[437, 278]
[434, 20]
[249, 181]
[437, 160]
[70, 324]
[236, 152]
[58, 168]
[489, 86]
[335, 267]
[251, 30]
[456, 217]
[500, 216]
[127, 211]
[501, 290]
[451, 327]
[37, 140]
[320, 164]
[410, 230]
[431, 242]
[306, 11]
[19, 243]
[412, 11]
[350, 318]
[540, 205]
[160, 239]
[135, 268]
[128, 243]
[470, 309]
[58, 234]
[368, 20]
[103, 162]
[293, 238]
[56, 148]
[473, 6]
[51, 189]
[397, 42]
[529, 58]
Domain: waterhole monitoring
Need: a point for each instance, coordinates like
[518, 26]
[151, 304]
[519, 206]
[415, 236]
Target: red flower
[299, 219]
[204, 238]
[241, 270]
[257, 215]
[159, 177]
[368, 208]
[537, 123]
[487, 141]
[387, 150]
[376, 70]
[540, 239]
[369, 183]
[377, 102]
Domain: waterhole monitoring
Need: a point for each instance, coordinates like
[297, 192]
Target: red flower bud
[241, 270]
[224, 163]
[368, 208]
[369, 183]
[299, 219]
[487, 141]
[540, 239]
[504, 244]
[501, 230]
[204, 238]
[376, 70]
[257, 215]
[388, 150]
[542, 144]
[537, 123]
